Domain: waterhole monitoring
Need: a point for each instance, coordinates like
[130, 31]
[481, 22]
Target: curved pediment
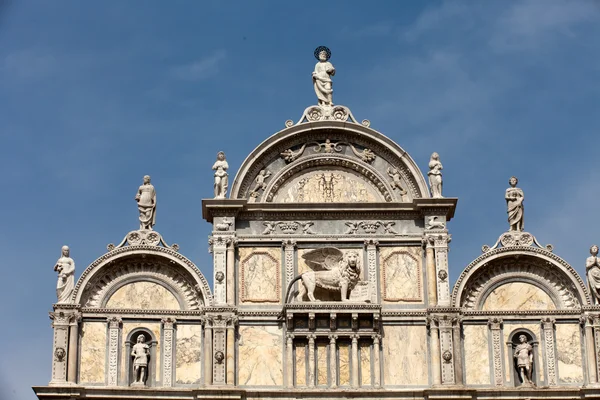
[339, 161]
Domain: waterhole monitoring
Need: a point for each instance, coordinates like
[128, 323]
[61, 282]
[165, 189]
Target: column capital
[332, 338]
[290, 336]
[371, 243]
[376, 339]
[168, 322]
[114, 322]
[495, 323]
[287, 243]
[547, 322]
[311, 338]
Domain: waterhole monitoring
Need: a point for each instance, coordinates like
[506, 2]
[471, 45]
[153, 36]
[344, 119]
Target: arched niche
[511, 344]
[130, 342]
[352, 141]
[497, 274]
[111, 280]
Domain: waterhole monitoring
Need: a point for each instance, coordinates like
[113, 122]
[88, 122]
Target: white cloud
[200, 69]
[435, 17]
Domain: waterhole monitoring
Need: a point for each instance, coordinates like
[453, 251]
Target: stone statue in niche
[146, 199]
[332, 270]
[394, 173]
[592, 268]
[524, 360]
[260, 180]
[322, 76]
[221, 177]
[65, 266]
[140, 354]
[435, 176]
[514, 201]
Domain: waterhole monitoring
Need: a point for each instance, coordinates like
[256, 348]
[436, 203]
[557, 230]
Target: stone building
[330, 280]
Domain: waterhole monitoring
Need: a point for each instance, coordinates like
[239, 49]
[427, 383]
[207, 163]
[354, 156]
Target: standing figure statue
[65, 266]
[524, 359]
[140, 354]
[514, 201]
[322, 76]
[221, 176]
[592, 268]
[146, 199]
[435, 176]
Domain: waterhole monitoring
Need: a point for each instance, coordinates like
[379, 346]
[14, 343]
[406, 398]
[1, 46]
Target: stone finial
[514, 202]
[65, 266]
[435, 176]
[146, 199]
[321, 76]
[221, 176]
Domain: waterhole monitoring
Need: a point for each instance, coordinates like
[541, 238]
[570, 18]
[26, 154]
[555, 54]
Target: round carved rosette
[134, 238]
[153, 238]
[314, 114]
[340, 114]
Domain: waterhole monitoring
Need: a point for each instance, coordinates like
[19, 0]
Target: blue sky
[94, 95]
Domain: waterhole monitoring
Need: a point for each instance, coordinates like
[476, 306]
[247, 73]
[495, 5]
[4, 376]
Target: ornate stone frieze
[288, 227]
[370, 227]
[143, 237]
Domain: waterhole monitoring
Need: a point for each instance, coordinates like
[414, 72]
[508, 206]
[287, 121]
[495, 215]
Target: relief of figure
[394, 173]
[221, 176]
[524, 360]
[592, 268]
[435, 176]
[332, 271]
[322, 76]
[65, 266]
[140, 353]
[514, 201]
[260, 180]
[146, 199]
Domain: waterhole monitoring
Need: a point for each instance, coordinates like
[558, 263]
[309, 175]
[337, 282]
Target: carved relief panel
[401, 274]
[260, 275]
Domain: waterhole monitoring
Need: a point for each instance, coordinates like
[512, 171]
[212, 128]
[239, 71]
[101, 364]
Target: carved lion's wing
[323, 258]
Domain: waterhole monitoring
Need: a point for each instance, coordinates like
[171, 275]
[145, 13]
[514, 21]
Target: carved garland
[525, 251]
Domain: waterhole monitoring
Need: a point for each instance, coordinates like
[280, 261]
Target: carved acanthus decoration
[288, 227]
[143, 237]
[516, 238]
[328, 147]
[370, 227]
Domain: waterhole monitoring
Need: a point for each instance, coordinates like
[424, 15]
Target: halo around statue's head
[318, 51]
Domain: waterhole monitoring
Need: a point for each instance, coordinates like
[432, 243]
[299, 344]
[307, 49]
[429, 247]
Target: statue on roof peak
[321, 76]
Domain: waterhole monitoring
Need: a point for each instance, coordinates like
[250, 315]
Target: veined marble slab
[405, 358]
[145, 296]
[568, 344]
[477, 355]
[188, 361]
[93, 352]
[518, 296]
[260, 356]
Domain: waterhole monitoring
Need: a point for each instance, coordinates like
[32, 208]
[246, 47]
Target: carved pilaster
[376, 362]
[590, 353]
[311, 360]
[60, 348]
[167, 353]
[219, 248]
[289, 360]
[548, 329]
[431, 276]
[432, 323]
[219, 324]
[447, 350]
[457, 345]
[371, 246]
[495, 325]
[114, 330]
[440, 245]
[354, 381]
[289, 247]
[208, 350]
[230, 278]
[333, 360]
[596, 319]
[230, 367]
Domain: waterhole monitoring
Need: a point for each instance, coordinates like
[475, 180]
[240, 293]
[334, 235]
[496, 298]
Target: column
[289, 247]
[495, 325]
[589, 349]
[435, 351]
[457, 345]
[441, 269]
[548, 329]
[219, 248]
[167, 351]
[289, 349]
[208, 352]
[114, 331]
[376, 362]
[596, 319]
[431, 276]
[333, 360]
[354, 380]
[219, 347]
[73, 347]
[230, 368]
[230, 281]
[371, 246]
[311, 360]
[446, 350]
[60, 347]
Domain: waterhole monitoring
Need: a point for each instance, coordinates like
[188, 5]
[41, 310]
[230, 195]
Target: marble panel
[300, 367]
[93, 352]
[477, 355]
[188, 359]
[321, 359]
[365, 363]
[155, 328]
[568, 344]
[145, 296]
[260, 356]
[509, 362]
[401, 274]
[327, 186]
[344, 362]
[518, 296]
[260, 271]
[405, 355]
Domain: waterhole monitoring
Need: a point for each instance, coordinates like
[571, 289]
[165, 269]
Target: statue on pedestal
[140, 354]
[322, 76]
[146, 199]
[65, 266]
[524, 359]
[221, 177]
[514, 201]
[592, 268]
[435, 176]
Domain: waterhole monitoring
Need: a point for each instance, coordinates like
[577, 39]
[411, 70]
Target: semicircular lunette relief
[327, 186]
